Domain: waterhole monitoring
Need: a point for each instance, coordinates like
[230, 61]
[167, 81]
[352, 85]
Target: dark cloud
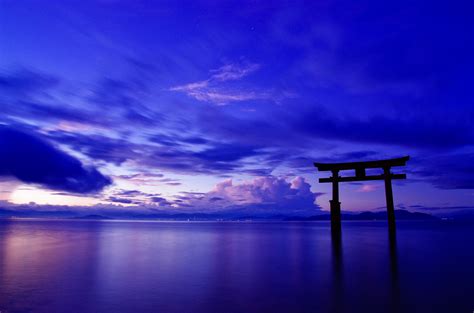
[32, 160]
[226, 152]
[135, 197]
[120, 200]
[176, 140]
[415, 132]
[195, 140]
[172, 155]
[142, 175]
[98, 147]
[164, 140]
[365, 155]
[161, 201]
[214, 199]
[158, 199]
[27, 93]
[173, 184]
[127, 98]
[454, 171]
[25, 82]
[129, 193]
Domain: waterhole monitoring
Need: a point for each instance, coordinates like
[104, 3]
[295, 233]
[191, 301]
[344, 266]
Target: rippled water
[122, 266]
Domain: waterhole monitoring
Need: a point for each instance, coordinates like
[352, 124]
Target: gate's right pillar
[389, 198]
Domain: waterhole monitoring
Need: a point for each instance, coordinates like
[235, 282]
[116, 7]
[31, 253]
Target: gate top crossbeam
[361, 165]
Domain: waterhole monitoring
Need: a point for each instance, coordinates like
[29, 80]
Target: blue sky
[202, 106]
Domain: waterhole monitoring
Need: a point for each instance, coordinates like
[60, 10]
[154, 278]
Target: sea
[180, 267]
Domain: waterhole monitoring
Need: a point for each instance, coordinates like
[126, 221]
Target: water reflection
[53, 266]
[395, 287]
[337, 304]
[36, 258]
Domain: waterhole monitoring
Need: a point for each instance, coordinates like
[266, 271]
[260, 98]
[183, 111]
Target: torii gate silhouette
[360, 175]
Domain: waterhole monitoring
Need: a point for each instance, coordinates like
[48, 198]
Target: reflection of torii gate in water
[360, 175]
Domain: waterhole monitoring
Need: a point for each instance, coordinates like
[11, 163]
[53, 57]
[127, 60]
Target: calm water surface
[119, 266]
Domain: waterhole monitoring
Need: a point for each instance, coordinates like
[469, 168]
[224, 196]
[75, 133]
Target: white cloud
[233, 71]
[215, 89]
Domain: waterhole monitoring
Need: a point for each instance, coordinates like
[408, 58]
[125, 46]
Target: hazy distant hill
[370, 216]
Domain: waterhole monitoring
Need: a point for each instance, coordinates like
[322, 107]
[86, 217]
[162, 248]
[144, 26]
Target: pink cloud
[262, 194]
[367, 188]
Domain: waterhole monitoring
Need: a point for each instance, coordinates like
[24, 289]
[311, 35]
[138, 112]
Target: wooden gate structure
[360, 175]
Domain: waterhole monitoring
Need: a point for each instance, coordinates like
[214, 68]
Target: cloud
[23, 81]
[27, 94]
[367, 188]
[32, 160]
[134, 198]
[96, 146]
[449, 171]
[120, 200]
[160, 201]
[221, 97]
[214, 91]
[233, 71]
[162, 152]
[406, 131]
[28, 103]
[129, 193]
[148, 179]
[261, 195]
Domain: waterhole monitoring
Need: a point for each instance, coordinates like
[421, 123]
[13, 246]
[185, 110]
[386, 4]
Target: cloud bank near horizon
[262, 197]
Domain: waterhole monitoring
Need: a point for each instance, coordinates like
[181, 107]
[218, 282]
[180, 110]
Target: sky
[203, 106]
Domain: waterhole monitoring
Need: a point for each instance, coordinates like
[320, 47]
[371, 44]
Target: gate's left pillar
[335, 203]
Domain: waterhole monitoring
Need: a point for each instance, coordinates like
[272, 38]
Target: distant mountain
[369, 216]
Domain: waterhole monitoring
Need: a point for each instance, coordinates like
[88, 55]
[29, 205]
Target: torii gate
[360, 175]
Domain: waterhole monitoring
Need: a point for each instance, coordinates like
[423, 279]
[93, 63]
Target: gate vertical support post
[334, 203]
[389, 198]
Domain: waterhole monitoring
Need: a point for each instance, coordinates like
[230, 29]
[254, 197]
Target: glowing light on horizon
[26, 194]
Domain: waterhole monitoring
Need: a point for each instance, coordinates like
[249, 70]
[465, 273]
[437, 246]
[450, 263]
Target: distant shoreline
[362, 216]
